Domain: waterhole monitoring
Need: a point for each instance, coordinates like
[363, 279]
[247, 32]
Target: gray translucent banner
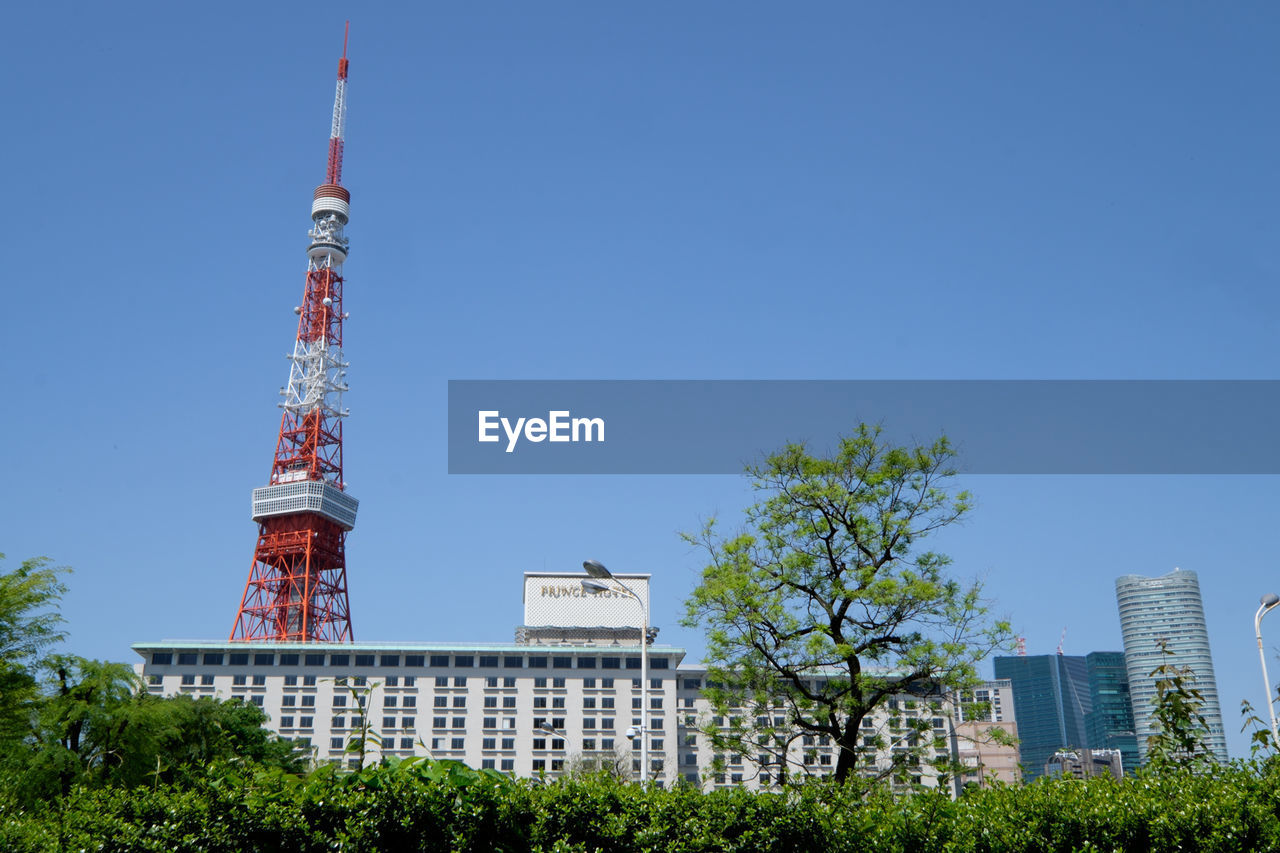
[998, 427]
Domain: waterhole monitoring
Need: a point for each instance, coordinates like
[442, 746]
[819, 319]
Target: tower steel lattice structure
[297, 587]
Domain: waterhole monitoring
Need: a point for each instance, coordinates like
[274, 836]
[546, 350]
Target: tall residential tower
[1167, 608]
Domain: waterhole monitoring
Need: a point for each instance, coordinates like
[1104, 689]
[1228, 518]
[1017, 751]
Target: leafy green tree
[1181, 731]
[29, 625]
[824, 607]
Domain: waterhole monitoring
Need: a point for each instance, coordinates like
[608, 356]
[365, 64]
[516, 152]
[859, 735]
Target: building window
[339, 660]
[441, 701]
[442, 681]
[457, 743]
[206, 679]
[508, 701]
[635, 701]
[486, 764]
[606, 701]
[414, 660]
[588, 702]
[588, 683]
[633, 663]
[693, 684]
[264, 659]
[187, 658]
[537, 662]
[460, 681]
[509, 681]
[389, 660]
[289, 660]
[238, 658]
[488, 743]
[589, 723]
[339, 701]
[188, 680]
[256, 700]
[335, 743]
[606, 683]
[288, 701]
[459, 722]
[513, 663]
[155, 680]
[213, 659]
[314, 660]
[364, 660]
[610, 663]
[463, 660]
[606, 723]
[557, 764]
[508, 765]
[656, 744]
[392, 680]
[491, 701]
[557, 683]
[562, 663]
[389, 701]
[588, 744]
[407, 723]
[286, 722]
[508, 743]
[388, 722]
[305, 722]
[659, 663]
[538, 701]
[439, 660]
[488, 661]
[291, 681]
[539, 765]
[655, 701]
[489, 723]
[337, 723]
[406, 743]
[439, 722]
[539, 684]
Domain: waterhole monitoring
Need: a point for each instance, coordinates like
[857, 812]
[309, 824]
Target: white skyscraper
[1167, 608]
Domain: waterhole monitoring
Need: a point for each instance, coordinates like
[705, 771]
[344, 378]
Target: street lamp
[602, 580]
[1269, 601]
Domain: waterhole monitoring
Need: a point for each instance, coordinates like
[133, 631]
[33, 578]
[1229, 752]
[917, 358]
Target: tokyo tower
[297, 587]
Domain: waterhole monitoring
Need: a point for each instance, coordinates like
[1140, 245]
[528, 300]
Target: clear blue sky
[659, 190]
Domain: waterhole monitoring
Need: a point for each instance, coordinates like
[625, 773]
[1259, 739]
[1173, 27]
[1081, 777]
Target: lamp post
[600, 578]
[1269, 601]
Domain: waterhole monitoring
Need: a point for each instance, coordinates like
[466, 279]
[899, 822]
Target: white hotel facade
[559, 698]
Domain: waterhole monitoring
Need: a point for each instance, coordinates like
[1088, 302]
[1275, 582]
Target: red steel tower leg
[297, 588]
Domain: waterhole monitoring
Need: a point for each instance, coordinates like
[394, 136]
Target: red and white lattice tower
[297, 588]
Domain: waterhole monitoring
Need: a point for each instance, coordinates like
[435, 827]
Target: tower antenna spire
[297, 587]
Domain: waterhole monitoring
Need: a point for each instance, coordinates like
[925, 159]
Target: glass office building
[1053, 701]
[1167, 608]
